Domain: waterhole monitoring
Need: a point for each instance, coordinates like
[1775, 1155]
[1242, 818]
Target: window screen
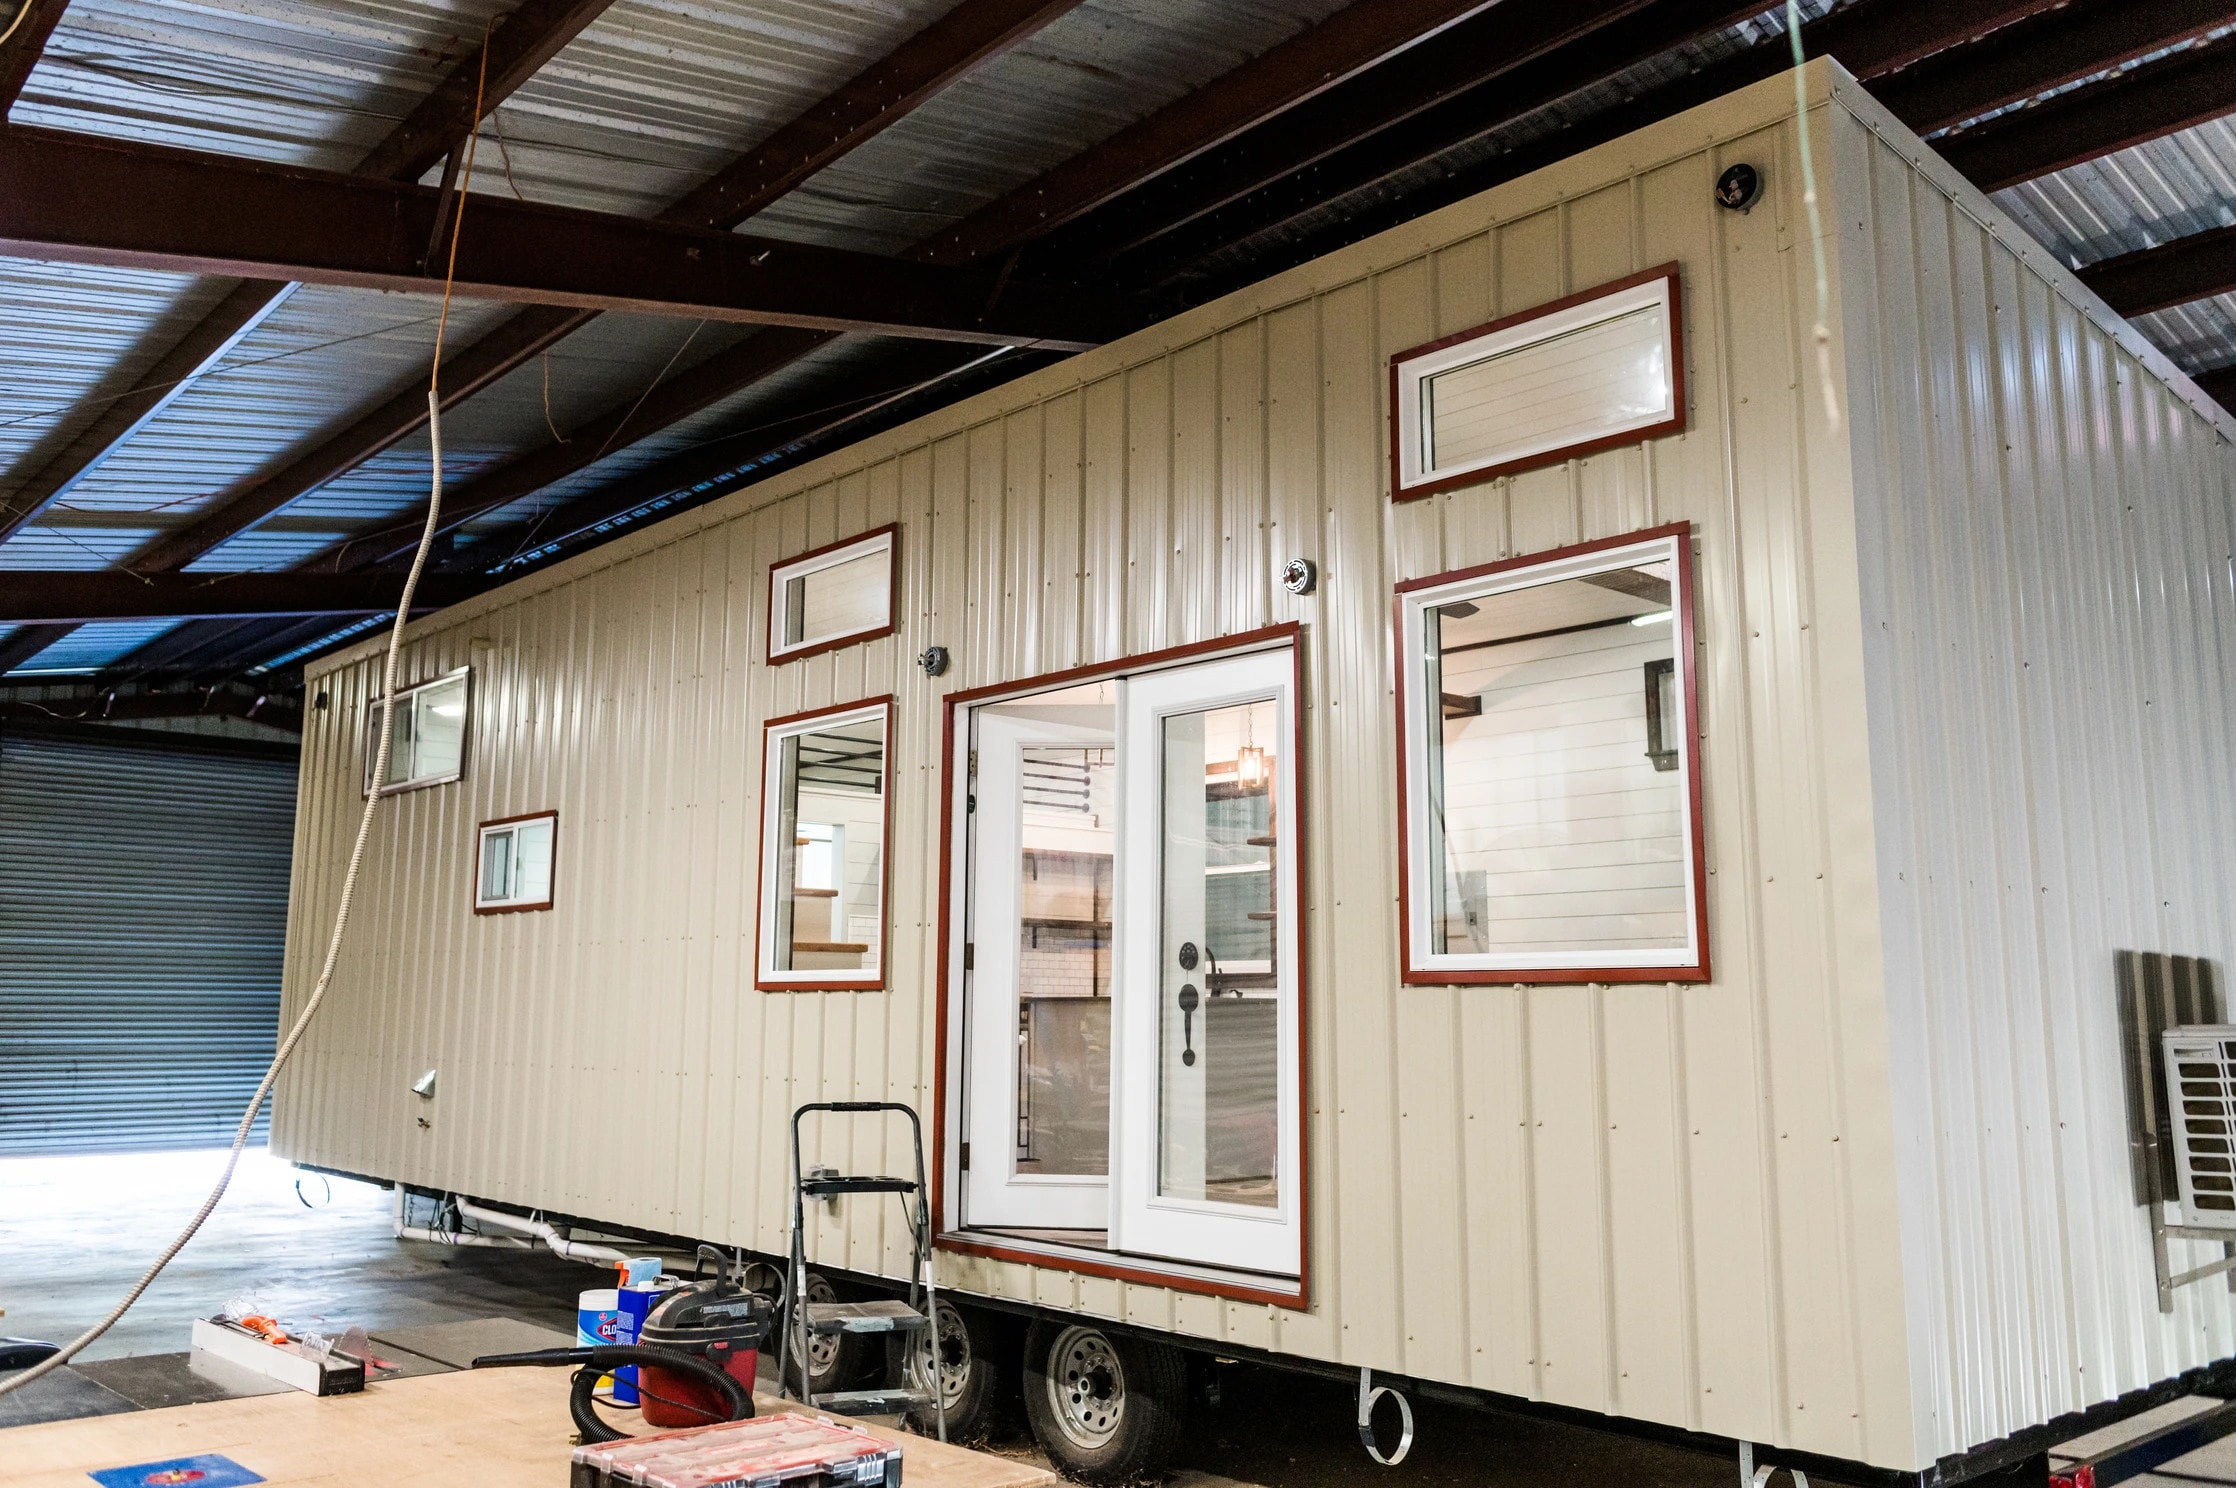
[428, 743]
[1550, 797]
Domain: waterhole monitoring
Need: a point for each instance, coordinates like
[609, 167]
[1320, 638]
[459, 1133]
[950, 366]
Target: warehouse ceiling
[708, 240]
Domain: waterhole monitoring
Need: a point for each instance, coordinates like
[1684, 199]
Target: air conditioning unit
[2200, 1064]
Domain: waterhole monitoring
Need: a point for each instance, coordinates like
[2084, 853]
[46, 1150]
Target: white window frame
[882, 540]
[1412, 475]
[404, 694]
[767, 976]
[1422, 966]
[510, 826]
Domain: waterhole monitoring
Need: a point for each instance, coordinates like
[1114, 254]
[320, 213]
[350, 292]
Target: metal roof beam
[2219, 385]
[2141, 104]
[522, 40]
[864, 107]
[2192, 268]
[86, 596]
[2048, 52]
[1295, 171]
[87, 200]
[1346, 43]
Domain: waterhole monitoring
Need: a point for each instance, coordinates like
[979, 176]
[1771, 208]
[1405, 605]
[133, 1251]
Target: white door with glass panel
[1044, 839]
[1132, 1017]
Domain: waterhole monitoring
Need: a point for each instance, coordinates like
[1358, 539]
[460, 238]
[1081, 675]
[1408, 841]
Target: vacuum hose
[603, 1359]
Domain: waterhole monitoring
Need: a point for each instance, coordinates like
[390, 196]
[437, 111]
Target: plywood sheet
[504, 1428]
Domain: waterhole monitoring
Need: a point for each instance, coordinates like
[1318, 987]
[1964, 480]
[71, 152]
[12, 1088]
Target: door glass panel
[1067, 805]
[1219, 1013]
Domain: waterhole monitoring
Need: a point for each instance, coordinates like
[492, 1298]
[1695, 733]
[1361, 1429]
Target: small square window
[513, 868]
[1550, 809]
[427, 745]
[826, 783]
[832, 597]
[1596, 370]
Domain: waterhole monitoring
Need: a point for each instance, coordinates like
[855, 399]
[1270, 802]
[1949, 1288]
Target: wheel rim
[954, 1356]
[822, 1348]
[1086, 1387]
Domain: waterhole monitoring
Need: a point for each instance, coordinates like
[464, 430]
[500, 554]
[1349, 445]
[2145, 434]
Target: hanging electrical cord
[23, 13]
[1821, 333]
[302, 1022]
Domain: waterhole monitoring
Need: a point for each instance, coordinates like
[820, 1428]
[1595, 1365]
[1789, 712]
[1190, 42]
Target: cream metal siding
[2045, 513]
[1676, 1203]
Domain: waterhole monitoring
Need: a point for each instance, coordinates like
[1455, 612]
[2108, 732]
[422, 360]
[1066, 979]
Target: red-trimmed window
[1550, 800]
[1587, 373]
[838, 595]
[826, 796]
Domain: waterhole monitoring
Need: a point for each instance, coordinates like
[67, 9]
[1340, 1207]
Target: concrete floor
[75, 1232]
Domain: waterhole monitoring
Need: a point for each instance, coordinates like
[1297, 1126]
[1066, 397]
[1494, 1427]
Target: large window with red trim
[826, 789]
[1551, 798]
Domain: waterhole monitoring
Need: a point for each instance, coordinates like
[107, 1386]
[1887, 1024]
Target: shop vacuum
[695, 1356]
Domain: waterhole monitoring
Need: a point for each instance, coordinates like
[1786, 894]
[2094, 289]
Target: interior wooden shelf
[854, 946]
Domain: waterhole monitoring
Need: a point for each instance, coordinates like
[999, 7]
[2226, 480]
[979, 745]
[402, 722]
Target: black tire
[1105, 1407]
[979, 1375]
[835, 1360]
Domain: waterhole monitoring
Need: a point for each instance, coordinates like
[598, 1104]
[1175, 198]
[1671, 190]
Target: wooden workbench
[493, 1428]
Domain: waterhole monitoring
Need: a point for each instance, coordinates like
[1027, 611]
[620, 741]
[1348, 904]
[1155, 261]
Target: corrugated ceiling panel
[608, 364]
[1088, 75]
[307, 82]
[70, 333]
[2138, 198]
[310, 363]
[2200, 336]
[735, 414]
[658, 94]
[90, 647]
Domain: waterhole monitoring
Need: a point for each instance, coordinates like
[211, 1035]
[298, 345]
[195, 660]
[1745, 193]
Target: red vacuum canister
[718, 1320]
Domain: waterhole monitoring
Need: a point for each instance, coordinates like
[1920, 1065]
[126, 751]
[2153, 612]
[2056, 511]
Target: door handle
[1188, 1002]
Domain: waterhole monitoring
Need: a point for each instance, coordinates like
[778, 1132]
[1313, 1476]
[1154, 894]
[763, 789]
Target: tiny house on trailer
[1452, 812]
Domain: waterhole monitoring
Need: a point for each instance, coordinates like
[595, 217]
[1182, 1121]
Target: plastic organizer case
[795, 1451]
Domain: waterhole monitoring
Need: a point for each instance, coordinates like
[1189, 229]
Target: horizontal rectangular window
[1551, 796]
[1582, 374]
[428, 743]
[826, 781]
[513, 867]
[835, 596]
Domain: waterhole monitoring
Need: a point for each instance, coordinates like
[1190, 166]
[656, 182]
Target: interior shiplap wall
[1550, 794]
[1666, 1202]
[2051, 640]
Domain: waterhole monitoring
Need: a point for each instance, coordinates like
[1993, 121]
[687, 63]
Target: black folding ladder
[805, 1319]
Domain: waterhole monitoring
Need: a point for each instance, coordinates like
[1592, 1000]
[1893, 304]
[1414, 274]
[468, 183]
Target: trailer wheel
[1106, 1408]
[976, 1374]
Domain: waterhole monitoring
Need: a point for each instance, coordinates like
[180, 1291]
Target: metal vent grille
[2201, 1075]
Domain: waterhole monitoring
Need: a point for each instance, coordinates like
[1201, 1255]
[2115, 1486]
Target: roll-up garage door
[143, 908]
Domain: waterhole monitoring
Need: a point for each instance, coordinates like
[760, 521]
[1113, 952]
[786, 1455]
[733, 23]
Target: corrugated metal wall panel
[142, 910]
[1677, 1203]
[2051, 642]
